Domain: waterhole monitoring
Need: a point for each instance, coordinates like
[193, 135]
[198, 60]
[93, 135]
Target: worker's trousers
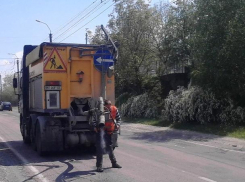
[104, 145]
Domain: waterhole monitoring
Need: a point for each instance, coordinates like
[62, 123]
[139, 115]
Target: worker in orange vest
[109, 128]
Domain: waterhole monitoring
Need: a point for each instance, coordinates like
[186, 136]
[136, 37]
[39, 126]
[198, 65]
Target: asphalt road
[146, 154]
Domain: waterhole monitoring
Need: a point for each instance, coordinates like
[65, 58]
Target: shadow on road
[168, 135]
[68, 175]
[8, 158]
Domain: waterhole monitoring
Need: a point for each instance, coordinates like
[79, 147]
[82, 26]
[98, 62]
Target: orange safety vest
[110, 124]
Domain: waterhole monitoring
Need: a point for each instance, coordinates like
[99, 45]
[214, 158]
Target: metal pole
[103, 79]
[86, 38]
[50, 34]
[109, 38]
[50, 37]
[103, 87]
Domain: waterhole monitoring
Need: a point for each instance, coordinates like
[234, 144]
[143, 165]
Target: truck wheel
[32, 136]
[39, 140]
[25, 136]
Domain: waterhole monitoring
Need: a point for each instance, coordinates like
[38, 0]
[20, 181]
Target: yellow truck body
[67, 63]
[61, 92]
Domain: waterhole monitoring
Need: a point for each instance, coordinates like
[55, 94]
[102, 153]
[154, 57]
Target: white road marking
[230, 150]
[25, 161]
[5, 149]
[206, 179]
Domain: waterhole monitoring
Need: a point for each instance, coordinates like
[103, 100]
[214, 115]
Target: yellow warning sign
[54, 62]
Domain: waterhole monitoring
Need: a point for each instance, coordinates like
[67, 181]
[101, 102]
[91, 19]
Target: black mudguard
[50, 133]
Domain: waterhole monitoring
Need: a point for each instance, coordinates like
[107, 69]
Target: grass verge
[221, 130]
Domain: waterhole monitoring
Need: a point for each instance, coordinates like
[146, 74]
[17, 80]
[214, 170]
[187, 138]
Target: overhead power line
[89, 21]
[71, 20]
[96, 8]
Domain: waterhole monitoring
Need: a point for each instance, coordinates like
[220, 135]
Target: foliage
[173, 35]
[121, 99]
[218, 48]
[131, 25]
[153, 40]
[139, 106]
[199, 106]
[208, 35]
[8, 90]
[98, 37]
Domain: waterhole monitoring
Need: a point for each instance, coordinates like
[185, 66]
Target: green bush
[121, 99]
[140, 106]
[199, 106]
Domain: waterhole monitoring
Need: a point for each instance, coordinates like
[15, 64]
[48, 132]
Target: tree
[97, 37]
[151, 39]
[131, 26]
[173, 34]
[8, 90]
[218, 48]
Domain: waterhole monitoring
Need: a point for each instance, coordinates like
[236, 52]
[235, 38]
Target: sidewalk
[166, 134]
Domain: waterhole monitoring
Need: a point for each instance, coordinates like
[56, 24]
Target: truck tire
[38, 140]
[32, 136]
[32, 121]
[25, 136]
[24, 132]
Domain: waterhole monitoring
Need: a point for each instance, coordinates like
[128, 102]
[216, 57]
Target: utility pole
[86, 38]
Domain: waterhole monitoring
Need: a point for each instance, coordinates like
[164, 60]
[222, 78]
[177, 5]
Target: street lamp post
[50, 34]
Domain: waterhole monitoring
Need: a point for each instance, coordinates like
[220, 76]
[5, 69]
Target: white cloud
[4, 62]
[19, 54]
[9, 66]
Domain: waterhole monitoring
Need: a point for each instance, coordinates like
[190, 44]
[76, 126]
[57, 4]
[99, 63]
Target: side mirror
[15, 82]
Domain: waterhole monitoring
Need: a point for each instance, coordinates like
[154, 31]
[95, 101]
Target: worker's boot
[116, 165]
[100, 169]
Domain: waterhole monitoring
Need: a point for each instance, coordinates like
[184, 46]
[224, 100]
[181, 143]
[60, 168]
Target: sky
[66, 19]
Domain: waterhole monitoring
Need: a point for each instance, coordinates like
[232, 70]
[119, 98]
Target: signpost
[103, 59]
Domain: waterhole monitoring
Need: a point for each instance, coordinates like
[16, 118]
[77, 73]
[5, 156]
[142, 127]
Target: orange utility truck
[61, 89]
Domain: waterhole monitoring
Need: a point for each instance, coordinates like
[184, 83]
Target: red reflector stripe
[53, 83]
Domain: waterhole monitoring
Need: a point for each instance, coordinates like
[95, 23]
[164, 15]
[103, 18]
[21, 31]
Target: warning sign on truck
[53, 62]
